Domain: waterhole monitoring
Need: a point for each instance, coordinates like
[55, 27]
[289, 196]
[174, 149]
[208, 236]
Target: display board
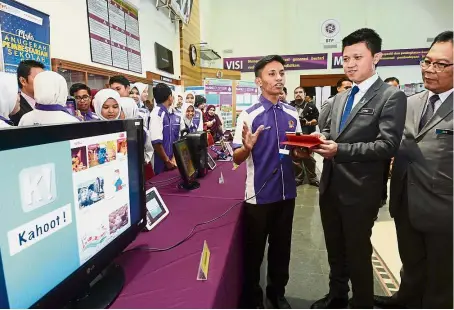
[25, 35]
[220, 94]
[246, 94]
[114, 34]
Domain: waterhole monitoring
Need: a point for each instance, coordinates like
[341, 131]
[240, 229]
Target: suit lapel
[339, 109]
[418, 109]
[442, 112]
[368, 96]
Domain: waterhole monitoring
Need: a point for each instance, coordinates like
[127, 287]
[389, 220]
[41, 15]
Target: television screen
[164, 58]
[72, 199]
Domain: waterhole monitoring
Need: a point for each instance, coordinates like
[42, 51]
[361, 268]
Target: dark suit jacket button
[410, 162]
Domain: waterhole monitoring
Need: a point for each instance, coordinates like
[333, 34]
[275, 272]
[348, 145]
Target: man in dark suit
[26, 72]
[363, 130]
[342, 85]
[421, 188]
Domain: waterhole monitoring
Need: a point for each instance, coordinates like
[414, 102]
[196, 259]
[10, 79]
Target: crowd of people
[38, 97]
[361, 129]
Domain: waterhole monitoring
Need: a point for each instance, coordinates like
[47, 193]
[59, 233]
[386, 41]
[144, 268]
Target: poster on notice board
[25, 35]
[246, 95]
[220, 94]
[114, 34]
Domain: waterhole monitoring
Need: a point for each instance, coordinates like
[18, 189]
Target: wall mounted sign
[293, 62]
[114, 34]
[25, 35]
[401, 57]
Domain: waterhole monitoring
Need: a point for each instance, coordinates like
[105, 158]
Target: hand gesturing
[249, 138]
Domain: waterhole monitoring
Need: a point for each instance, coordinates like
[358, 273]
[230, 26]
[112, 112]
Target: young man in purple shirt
[270, 184]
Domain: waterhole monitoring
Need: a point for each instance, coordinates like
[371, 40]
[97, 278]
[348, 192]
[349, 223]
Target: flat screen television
[186, 167]
[72, 199]
[164, 58]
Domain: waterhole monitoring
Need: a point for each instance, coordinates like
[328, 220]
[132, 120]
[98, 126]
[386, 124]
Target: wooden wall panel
[226, 74]
[190, 34]
[315, 80]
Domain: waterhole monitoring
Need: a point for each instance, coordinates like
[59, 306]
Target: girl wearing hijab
[189, 97]
[213, 123]
[106, 104]
[51, 93]
[9, 98]
[131, 111]
[129, 107]
[192, 123]
[139, 92]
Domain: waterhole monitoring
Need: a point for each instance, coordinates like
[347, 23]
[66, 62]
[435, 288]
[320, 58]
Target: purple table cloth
[169, 279]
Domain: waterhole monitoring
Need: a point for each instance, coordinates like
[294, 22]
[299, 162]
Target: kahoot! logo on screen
[37, 186]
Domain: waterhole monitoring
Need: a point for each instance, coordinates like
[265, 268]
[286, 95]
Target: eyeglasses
[83, 98]
[438, 66]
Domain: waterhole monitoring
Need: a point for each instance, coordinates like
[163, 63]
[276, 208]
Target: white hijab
[101, 97]
[50, 88]
[186, 106]
[186, 93]
[140, 88]
[8, 93]
[129, 107]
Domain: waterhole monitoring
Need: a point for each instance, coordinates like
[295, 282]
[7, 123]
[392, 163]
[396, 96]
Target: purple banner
[218, 88]
[402, 57]
[293, 62]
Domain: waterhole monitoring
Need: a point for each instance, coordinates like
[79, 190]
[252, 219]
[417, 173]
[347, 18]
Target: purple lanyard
[51, 107]
[6, 120]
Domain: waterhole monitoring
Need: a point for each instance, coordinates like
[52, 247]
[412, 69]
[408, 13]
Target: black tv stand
[103, 291]
[190, 185]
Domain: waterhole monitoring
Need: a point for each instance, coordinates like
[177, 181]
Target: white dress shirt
[443, 97]
[363, 88]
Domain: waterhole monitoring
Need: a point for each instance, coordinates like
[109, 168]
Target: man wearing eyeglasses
[81, 93]
[422, 188]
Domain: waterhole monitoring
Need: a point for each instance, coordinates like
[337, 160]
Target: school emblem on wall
[291, 124]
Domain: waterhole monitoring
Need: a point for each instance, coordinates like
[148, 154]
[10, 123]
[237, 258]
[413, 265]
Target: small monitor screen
[183, 152]
[62, 203]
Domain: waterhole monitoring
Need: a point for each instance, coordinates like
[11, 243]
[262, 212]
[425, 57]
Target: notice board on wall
[25, 35]
[114, 34]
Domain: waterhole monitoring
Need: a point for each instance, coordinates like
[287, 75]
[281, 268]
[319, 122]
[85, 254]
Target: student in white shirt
[51, 93]
[9, 98]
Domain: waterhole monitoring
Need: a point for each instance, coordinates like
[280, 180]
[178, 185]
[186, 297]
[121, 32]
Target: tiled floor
[309, 265]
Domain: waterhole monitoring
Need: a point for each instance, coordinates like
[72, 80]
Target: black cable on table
[150, 249]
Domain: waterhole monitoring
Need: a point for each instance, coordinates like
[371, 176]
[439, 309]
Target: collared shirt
[363, 88]
[197, 121]
[89, 116]
[265, 156]
[165, 128]
[31, 101]
[438, 103]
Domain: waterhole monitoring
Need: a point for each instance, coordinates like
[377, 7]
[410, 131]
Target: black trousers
[427, 258]
[385, 179]
[273, 221]
[347, 230]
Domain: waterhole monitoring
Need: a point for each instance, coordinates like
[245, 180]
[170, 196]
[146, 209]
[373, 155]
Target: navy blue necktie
[348, 107]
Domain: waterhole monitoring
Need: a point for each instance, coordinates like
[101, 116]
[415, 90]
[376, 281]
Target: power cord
[149, 249]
